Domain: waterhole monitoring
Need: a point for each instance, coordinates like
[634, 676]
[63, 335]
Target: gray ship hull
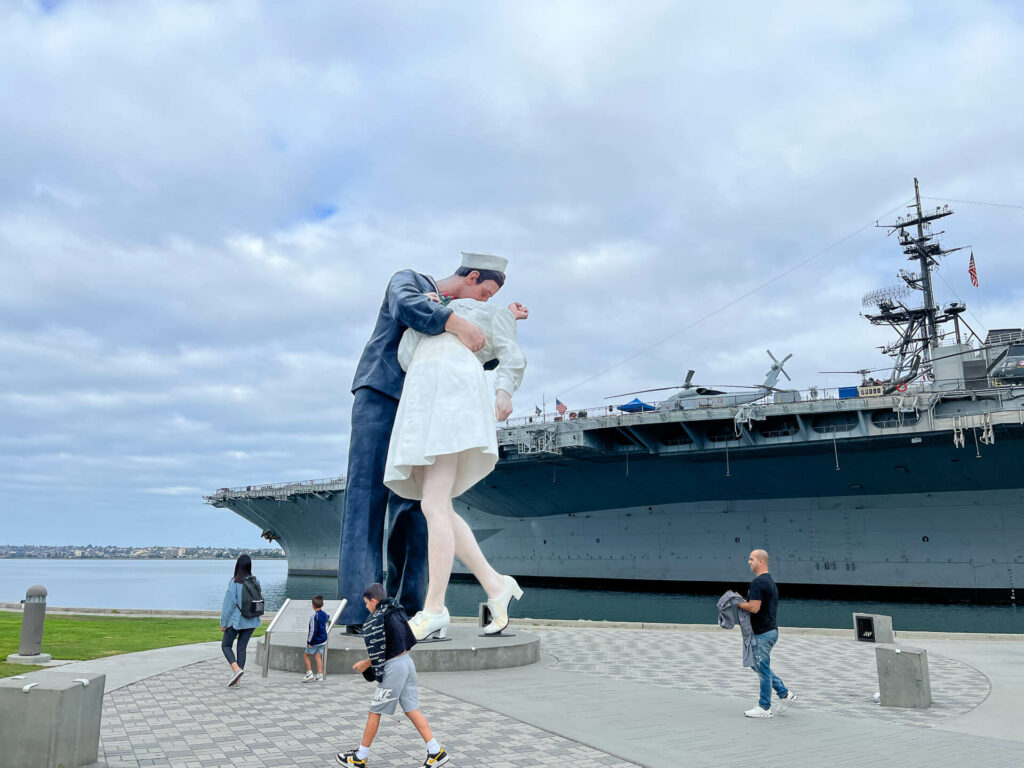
[904, 512]
[968, 542]
[303, 518]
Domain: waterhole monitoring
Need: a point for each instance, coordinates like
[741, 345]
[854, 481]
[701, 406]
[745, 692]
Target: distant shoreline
[140, 557]
[93, 552]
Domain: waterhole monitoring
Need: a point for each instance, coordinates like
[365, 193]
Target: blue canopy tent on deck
[636, 405]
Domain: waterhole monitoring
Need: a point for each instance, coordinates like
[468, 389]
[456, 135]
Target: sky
[201, 204]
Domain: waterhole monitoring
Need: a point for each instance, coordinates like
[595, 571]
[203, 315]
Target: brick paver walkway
[833, 675]
[187, 718]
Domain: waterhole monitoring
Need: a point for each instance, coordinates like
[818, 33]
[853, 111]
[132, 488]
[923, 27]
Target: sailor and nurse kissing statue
[423, 432]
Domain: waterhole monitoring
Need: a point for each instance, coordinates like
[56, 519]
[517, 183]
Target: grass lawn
[90, 637]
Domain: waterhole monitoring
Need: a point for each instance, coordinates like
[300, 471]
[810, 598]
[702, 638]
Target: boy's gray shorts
[398, 687]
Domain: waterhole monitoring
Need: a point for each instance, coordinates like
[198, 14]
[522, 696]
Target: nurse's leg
[468, 551]
[438, 479]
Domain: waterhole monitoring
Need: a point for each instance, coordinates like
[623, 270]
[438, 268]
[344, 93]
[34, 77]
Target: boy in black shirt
[761, 604]
[388, 639]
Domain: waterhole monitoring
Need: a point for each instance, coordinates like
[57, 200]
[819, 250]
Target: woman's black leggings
[243, 636]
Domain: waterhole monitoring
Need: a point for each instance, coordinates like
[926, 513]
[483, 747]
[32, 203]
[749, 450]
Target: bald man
[762, 600]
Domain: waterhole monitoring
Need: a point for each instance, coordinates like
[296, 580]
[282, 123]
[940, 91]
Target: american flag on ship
[560, 407]
[973, 271]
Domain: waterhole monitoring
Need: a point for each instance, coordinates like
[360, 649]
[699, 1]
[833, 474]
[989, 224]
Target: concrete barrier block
[54, 723]
[903, 676]
[873, 628]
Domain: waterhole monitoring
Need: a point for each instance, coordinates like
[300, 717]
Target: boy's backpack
[252, 598]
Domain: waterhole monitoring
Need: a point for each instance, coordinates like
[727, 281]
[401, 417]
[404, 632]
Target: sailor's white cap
[484, 261]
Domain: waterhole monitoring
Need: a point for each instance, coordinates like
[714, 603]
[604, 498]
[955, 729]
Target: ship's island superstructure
[912, 482]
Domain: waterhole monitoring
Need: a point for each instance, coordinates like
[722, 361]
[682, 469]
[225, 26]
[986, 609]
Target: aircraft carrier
[907, 485]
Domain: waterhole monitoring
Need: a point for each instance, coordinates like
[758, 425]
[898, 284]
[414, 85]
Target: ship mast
[917, 250]
[918, 327]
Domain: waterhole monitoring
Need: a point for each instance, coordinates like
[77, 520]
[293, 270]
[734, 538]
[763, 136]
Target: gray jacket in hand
[729, 616]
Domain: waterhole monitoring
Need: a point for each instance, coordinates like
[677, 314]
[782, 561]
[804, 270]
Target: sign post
[330, 626]
[266, 637]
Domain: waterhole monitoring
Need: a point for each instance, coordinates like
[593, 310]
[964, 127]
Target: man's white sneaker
[308, 677]
[758, 712]
[783, 704]
[319, 678]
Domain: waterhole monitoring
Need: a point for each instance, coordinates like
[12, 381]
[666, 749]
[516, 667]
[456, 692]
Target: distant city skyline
[152, 551]
[202, 203]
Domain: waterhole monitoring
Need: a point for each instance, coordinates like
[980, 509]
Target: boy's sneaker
[758, 712]
[349, 758]
[308, 677]
[319, 678]
[432, 761]
[783, 704]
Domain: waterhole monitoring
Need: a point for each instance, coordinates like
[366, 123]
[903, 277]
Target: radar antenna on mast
[918, 327]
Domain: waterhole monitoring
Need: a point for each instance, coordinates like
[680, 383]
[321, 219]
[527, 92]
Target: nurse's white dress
[446, 406]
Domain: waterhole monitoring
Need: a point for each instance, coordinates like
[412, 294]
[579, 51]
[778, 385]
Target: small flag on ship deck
[973, 271]
[560, 407]
[536, 409]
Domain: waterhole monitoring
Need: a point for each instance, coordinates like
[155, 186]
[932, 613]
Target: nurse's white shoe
[430, 625]
[498, 606]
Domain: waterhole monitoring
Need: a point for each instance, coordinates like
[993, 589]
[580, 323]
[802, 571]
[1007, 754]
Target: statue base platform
[464, 651]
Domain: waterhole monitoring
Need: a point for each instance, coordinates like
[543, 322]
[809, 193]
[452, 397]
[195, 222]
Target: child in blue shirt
[316, 640]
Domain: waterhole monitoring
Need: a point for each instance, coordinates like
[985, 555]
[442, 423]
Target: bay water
[200, 585]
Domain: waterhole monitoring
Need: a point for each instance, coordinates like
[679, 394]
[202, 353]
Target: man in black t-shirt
[762, 602]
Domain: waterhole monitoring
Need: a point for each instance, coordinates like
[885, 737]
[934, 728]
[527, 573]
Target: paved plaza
[187, 718]
[615, 696]
[832, 675]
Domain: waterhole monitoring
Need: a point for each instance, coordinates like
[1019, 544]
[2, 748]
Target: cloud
[202, 204]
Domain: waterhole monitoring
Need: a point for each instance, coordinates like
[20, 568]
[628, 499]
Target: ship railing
[918, 396]
[278, 490]
[809, 395]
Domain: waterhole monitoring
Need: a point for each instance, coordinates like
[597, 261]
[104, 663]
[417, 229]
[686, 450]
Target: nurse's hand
[502, 405]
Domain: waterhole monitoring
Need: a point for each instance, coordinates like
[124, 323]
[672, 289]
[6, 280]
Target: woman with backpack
[240, 615]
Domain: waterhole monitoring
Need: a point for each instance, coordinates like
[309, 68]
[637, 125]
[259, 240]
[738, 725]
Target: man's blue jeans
[763, 645]
[366, 501]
